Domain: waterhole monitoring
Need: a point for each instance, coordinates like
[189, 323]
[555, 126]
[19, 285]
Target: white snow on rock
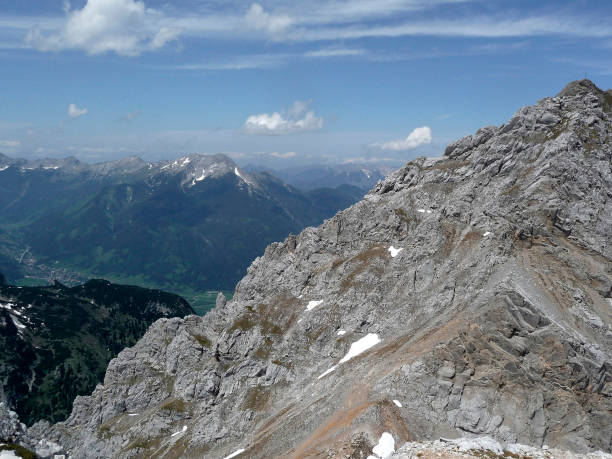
[488, 233]
[7, 454]
[360, 346]
[132, 414]
[46, 448]
[421, 211]
[326, 372]
[385, 447]
[3, 168]
[393, 251]
[486, 447]
[341, 332]
[313, 304]
[235, 453]
[397, 403]
[183, 430]
[18, 324]
[478, 443]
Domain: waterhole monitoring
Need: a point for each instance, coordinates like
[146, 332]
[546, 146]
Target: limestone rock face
[468, 295]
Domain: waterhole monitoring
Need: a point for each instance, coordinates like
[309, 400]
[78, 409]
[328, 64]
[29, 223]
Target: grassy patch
[256, 398]
[203, 340]
[19, 450]
[363, 260]
[448, 165]
[175, 405]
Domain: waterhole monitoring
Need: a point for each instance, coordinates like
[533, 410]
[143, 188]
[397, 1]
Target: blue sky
[282, 82]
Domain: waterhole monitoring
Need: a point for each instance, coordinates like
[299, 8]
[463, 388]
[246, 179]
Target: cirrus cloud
[125, 27]
[419, 136]
[296, 119]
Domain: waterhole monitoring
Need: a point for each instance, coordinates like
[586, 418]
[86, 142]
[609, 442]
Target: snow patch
[7, 454]
[421, 211]
[360, 346]
[3, 168]
[488, 233]
[18, 324]
[183, 430]
[397, 403]
[132, 414]
[313, 304]
[393, 251]
[326, 372]
[341, 332]
[235, 453]
[385, 447]
[237, 172]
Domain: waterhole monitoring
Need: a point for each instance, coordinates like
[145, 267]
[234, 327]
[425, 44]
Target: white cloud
[259, 19]
[125, 27]
[297, 118]
[419, 136]
[75, 112]
[10, 144]
[335, 52]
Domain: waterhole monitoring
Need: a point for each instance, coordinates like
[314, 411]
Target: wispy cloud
[241, 62]
[129, 116]
[335, 52]
[10, 144]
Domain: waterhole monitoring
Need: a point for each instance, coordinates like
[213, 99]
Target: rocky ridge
[466, 295]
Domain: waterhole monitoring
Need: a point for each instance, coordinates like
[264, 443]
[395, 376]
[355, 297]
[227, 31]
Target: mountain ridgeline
[468, 295]
[190, 224]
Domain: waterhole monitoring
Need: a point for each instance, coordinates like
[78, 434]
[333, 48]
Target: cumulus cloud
[257, 18]
[125, 27]
[419, 136]
[75, 112]
[297, 118]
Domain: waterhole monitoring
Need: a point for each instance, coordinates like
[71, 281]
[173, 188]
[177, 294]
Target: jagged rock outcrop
[465, 295]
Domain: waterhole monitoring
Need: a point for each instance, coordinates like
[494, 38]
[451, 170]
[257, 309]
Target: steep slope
[56, 341]
[464, 296]
[191, 224]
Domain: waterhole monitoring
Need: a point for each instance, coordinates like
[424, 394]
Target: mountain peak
[580, 87]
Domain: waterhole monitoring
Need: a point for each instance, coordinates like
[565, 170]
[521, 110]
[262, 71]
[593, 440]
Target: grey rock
[494, 318]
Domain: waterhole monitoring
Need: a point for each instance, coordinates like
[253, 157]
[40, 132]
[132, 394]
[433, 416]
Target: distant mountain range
[313, 176]
[56, 341]
[188, 225]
